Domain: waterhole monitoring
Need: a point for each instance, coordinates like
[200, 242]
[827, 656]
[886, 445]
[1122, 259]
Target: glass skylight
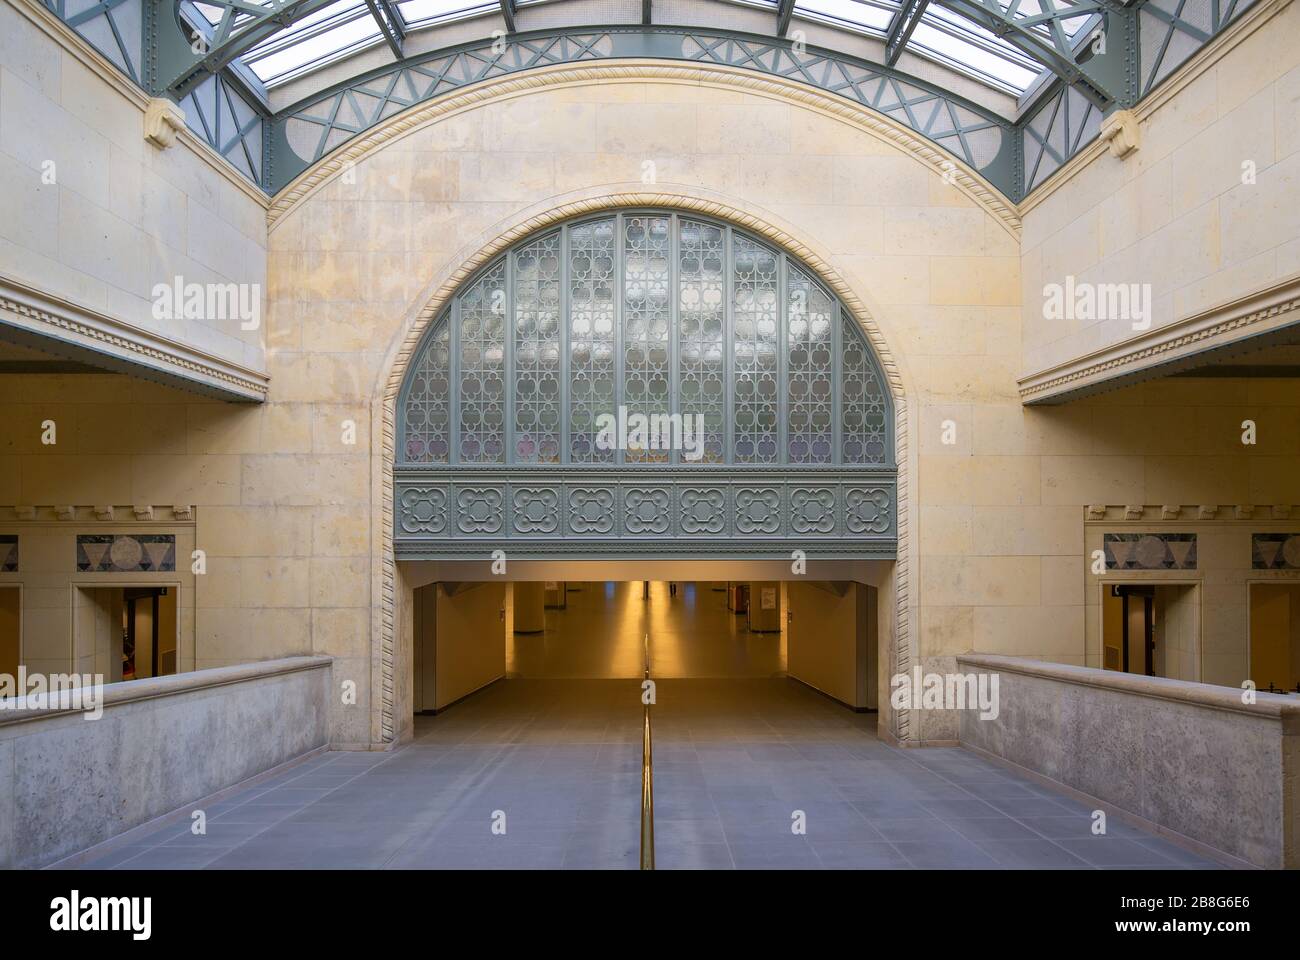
[943, 35]
[348, 26]
[418, 13]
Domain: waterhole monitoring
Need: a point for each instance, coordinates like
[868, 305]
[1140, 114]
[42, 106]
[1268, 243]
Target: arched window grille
[659, 314]
[767, 410]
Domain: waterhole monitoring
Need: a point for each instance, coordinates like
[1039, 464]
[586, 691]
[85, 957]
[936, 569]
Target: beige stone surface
[102, 215]
[1203, 211]
[290, 514]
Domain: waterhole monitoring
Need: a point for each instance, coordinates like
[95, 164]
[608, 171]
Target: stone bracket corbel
[163, 119]
[103, 513]
[143, 511]
[1122, 131]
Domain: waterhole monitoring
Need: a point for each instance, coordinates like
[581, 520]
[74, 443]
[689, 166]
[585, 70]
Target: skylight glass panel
[213, 14]
[421, 11]
[874, 17]
[973, 57]
[336, 30]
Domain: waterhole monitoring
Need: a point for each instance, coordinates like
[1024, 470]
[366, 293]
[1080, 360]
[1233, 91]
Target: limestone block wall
[1184, 759]
[1203, 211]
[68, 782]
[1006, 545]
[289, 496]
[93, 214]
[365, 253]
[57, 632]
[1223, 574]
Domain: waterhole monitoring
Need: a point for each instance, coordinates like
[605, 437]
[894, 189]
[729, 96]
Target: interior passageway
[752, 769]
[600, 632]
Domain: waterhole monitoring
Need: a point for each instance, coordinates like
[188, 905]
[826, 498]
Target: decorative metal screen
[645, 383]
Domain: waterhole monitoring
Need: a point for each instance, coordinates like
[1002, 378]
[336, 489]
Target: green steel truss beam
[183, 58]
[305, 132]
[784, 11]
[390, 24]
[1104, 70]
[164, 59]
[901, 27]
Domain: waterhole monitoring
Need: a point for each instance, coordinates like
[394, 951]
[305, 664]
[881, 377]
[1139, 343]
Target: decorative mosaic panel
[120, 553]
[1150, 551]
[8, 553]
[1275, 551]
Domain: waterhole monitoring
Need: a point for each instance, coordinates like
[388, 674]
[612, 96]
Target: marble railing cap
[1209, 695]
[129, 691]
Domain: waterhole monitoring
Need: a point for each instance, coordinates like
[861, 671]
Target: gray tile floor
[560, 760]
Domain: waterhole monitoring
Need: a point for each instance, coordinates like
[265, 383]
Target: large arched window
[654, 345]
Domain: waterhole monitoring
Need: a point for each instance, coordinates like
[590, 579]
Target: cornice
[1262, 312]
[641, 71]
[1183, 76]
[98, 64]
[117, 345]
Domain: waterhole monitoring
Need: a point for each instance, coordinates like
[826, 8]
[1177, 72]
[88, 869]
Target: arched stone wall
[370, 247]
[505, 235]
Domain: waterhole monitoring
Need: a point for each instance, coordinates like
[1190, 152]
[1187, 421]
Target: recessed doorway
[1275, 636]
[1152, 629]
[126, 633]
[10, 630]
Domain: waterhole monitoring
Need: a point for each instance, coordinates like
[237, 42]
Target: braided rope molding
[99, 328]
[1131, 360]
[940, 162]
[507, 238]
[902, 640]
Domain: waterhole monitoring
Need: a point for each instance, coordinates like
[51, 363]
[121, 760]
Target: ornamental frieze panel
[479, 509]
[812, 510]
[692, 511]
[422, 510]
[868, 509]
[591, 511]
[702, 510]
[758, 510]
[647, 510]
[536, 510]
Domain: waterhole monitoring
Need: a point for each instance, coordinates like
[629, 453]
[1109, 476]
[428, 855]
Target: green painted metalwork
[308, 131]
[1123, 52]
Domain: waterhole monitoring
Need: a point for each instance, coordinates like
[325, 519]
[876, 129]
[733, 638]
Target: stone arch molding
[505, 234]
[942, 164]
